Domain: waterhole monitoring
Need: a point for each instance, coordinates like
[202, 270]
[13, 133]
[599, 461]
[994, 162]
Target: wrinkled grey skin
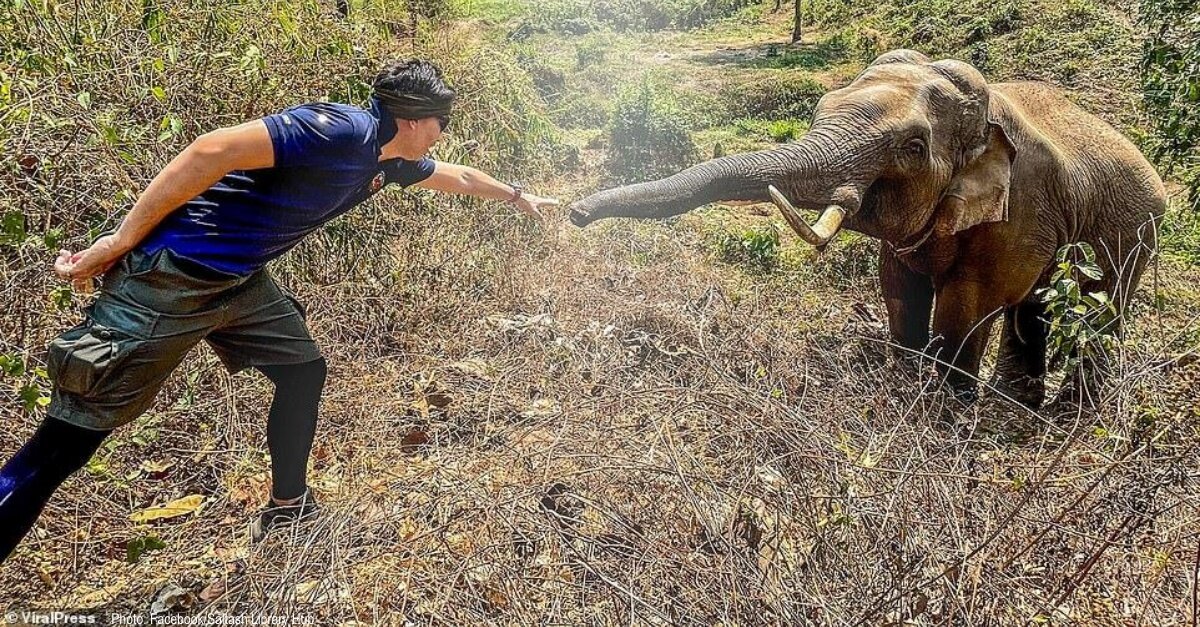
[973, 188]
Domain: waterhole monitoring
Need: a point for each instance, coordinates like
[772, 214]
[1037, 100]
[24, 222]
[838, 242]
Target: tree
[798, 26]
[1171, 87]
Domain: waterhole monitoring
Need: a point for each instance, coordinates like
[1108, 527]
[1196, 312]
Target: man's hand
[532, 205]
[81, 267]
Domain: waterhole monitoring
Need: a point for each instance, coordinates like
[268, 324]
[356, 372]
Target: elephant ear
[979, 192]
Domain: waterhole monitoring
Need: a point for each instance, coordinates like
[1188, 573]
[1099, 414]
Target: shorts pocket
[81, 359]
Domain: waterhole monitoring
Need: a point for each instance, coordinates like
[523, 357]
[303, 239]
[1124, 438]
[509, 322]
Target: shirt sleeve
[407, 173]
[315, 135]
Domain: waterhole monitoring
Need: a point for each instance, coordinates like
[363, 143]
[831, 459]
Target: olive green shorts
[151, 310]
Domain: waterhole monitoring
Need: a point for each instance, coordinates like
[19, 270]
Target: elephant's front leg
[908, 296]
[962, 320]
[1021, 365]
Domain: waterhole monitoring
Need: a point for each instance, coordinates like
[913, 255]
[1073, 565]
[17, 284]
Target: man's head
[413, 92]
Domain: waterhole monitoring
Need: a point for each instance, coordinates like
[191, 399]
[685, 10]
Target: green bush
[1171, 84]
[782, 96]
[1070, 42]
[755, 246]
[648, 136]
[1082, 324]
[778, 131]
[574, 18]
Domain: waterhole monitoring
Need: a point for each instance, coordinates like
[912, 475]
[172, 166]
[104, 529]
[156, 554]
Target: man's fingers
[62, 269]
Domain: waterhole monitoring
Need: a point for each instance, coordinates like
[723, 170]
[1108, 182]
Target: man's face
[426, 133]
[419, 136]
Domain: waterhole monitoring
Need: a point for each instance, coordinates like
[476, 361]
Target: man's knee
[309, 375]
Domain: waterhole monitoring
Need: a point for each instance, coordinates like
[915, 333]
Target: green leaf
[159, 93]
[31, 396]
[1091, 271]
[53, 238]
[12, 228]
[12, 366]
[84, 99]
[134, 549]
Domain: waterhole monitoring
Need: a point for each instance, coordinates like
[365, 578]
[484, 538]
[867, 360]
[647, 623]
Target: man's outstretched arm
[208, 158]
[461, 179]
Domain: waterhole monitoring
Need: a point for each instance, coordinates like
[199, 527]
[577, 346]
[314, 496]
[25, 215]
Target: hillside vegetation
[693, 421]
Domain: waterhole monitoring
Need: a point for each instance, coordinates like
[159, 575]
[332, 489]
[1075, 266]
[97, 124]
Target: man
[186, 264]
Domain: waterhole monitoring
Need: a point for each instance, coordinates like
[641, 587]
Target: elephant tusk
[819, 234]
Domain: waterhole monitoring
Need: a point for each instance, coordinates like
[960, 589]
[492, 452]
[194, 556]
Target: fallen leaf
[213, 591]
[176, 508]
[475, 367]
[156, 469]
[542, 408]
[172, 598]
[413, 441]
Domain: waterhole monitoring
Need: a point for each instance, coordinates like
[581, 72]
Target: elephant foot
[1026, 390]
[1081, 392]
[967, 394]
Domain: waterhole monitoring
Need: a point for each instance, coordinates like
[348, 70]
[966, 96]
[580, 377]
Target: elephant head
[908, 147]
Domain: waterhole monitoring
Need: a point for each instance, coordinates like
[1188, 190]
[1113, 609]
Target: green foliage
[778, 131]
[756, 246]
[134, 549]
[12, 228]
[1082, 324]
[1171, 83]
[648, 136]
[590, 51]
[781, 96]
[1068, 41]
[574, 18]
[1180, 235]
[824, 54]
[29, 383]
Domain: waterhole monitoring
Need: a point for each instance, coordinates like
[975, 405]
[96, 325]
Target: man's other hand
[81, 267]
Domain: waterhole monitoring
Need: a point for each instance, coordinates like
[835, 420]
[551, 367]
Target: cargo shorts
[151, 310]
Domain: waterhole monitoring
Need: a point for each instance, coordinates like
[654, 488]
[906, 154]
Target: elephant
[972, 188]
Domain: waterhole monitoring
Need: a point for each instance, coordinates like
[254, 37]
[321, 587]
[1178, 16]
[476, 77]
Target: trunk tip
[580, 218]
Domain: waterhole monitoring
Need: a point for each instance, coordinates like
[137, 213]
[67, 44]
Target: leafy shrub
[570, 17]
[1171, 84]
[648, 136]
[591, 51]
[779, 131]
[1071, 42]
[1082, 325]
[783, 96]
[755, 246]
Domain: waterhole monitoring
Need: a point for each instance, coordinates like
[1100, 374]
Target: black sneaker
[274, 515]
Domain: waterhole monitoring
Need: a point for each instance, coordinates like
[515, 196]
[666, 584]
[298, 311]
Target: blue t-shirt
[326, 162]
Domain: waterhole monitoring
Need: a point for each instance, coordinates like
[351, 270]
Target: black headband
[414, 106]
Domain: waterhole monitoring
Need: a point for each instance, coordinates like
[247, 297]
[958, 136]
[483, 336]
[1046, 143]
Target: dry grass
[540, 425]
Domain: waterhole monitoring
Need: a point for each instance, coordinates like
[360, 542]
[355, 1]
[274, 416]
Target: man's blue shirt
[326, 162]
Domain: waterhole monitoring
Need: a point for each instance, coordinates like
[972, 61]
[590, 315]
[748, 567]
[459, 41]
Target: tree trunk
[798, 28]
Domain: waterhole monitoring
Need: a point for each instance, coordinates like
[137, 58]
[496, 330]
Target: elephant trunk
[735, 177]
[823, 170]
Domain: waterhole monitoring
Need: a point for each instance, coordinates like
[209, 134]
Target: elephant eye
[915, 147]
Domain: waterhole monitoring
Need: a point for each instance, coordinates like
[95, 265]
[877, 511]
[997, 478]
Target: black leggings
[58, 449]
